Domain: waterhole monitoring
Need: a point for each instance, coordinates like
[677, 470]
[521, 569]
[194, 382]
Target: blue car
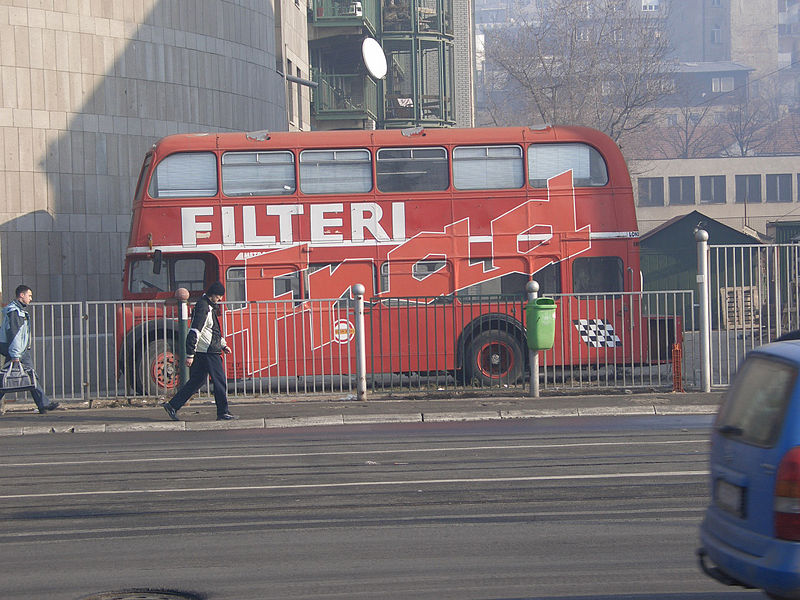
[750, 535]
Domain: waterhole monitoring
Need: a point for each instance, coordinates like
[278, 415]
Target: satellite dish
[374, 58]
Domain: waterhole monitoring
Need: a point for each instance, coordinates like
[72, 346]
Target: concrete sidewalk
[312, 410]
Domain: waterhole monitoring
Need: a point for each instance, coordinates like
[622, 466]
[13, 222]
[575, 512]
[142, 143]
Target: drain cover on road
[143, 594]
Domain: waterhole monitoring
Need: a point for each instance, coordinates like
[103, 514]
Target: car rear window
[756, 401]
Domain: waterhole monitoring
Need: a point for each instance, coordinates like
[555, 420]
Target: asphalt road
[576, 508]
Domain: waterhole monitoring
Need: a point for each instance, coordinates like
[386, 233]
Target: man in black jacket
[204, 348]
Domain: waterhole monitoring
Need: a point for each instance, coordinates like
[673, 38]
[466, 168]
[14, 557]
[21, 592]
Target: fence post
[182, 295]
[532, 287]
[361, 353]
[701, 236]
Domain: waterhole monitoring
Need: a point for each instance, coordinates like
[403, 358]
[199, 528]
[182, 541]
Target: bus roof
[262, 140]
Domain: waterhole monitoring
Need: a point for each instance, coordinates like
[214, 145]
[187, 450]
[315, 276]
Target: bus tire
[158, 372]
[495, 357]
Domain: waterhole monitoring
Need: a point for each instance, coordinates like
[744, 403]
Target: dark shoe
[44, 409]
[226, 417]
[173, 414]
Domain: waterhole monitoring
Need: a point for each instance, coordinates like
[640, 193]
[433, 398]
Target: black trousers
[204, 366]
[38, 393]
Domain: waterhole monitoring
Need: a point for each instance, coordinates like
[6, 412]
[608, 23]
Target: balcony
[345, 13]
[340, 96]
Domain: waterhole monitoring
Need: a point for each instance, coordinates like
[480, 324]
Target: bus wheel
[495, 357]
[158, 371]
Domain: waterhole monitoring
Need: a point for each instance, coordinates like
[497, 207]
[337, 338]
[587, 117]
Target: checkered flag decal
[597, 333]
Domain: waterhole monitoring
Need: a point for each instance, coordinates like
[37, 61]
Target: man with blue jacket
[204, 348]
[15, 341]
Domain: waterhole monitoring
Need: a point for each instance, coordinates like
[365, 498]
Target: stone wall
[86, 87]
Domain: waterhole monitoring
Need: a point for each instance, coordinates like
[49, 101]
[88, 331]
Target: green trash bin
[540, 319]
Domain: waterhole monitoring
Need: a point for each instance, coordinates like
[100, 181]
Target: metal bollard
[701, 237]
[532, 287]
[182, 295]
[361, 352]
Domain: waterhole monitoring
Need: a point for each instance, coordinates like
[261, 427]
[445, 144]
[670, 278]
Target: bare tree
[748, 125]
[692, 133]
[601, 63]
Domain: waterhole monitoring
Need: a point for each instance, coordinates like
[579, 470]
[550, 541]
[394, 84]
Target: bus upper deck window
[487, 167]
[258, 173]
[412, 169]
[185, 175]
[548, 160]
[335, 171]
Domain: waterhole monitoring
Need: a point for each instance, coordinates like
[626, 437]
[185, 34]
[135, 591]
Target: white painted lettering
[228, 226]
[366, 215]
[249, 223]
[284, 214]
[398, 221]
[190, 227]
[319, 222]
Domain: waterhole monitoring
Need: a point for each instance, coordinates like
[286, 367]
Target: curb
[370, 419]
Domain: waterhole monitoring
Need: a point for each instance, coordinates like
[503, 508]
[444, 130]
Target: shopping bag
[14, 377]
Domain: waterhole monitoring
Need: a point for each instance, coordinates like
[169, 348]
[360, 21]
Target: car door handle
[767, 467]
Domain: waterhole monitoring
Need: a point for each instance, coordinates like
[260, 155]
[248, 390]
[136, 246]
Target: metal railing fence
[88, 351]
[754, 299]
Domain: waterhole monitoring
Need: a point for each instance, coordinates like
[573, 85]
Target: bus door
[598, 320]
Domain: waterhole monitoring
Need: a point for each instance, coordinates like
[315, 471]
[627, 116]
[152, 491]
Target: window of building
[681, 190]
[672, 120]
[185, 175]
[396, 15]
[712, 189]
[548, 160]
[258, 173]
[487, 167]
[335, 171]
[722, 84]
[651, 191]
[597, 274]
[715, 3]
[748, 189]
[716, 35]
[290, 94]
[649, 5]
[779, 187]
[299, 101]
[412, 169]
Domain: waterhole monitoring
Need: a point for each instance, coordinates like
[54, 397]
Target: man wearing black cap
[204, 348]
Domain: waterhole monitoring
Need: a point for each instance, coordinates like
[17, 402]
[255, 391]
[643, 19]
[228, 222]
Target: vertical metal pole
[182, 294]
[532, 287]
[701, 236]
[361, 352]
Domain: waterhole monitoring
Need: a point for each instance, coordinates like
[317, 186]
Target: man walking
[204, 348]
[15, 341]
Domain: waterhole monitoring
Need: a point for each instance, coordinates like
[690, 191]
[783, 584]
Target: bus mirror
[157, 262]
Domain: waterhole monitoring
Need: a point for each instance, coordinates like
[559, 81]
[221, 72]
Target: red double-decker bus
[434, 214]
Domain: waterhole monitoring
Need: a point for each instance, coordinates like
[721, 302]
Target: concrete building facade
[87, 86]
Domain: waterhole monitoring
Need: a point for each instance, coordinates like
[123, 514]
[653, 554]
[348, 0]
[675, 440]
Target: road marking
[392, 521]
[350, 453]
[345, 484]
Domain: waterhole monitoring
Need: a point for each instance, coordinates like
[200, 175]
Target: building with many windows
[428, 49]
[755, 195]
[87, 87]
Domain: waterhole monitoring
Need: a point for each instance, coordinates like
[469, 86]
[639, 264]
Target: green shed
[669, 252]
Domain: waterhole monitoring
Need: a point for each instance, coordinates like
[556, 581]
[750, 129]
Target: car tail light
[787, 497]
